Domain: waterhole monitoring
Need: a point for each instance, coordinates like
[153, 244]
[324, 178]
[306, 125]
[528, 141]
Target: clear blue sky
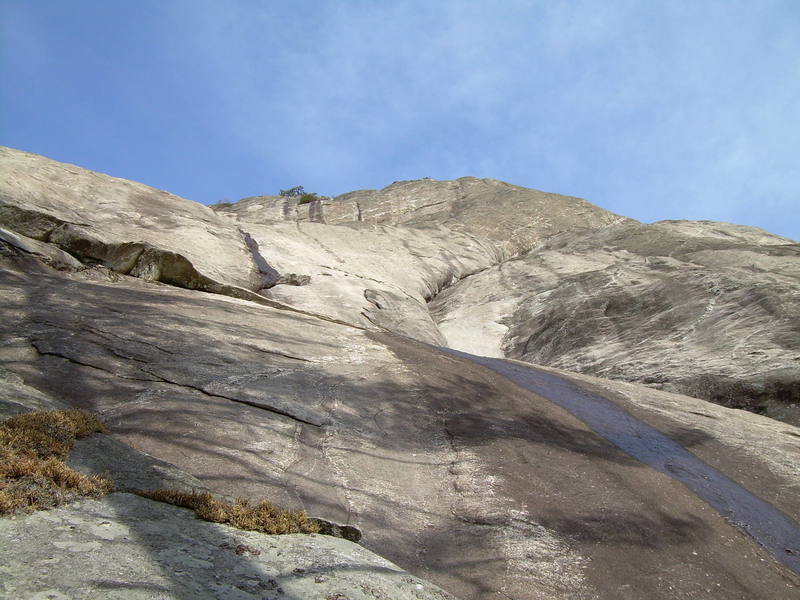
[656, 110]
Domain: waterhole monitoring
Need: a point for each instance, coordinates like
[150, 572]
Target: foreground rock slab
[127, 547]
[449, 469]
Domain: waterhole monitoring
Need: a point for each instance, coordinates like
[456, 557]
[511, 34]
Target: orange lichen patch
[32, 472]
[262, 516]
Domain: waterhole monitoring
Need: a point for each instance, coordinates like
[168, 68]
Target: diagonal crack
[421, 206]
[158, 377]
[276, 353]
[35, 344]
[267, 407]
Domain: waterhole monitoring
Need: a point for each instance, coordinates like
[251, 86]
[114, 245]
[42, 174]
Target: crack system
[162, 379]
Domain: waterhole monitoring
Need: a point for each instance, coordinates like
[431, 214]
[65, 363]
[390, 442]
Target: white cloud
[693, 106]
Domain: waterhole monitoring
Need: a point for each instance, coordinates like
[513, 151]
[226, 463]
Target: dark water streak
[770, 527]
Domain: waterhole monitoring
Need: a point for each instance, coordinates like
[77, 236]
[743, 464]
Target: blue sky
[651, 109]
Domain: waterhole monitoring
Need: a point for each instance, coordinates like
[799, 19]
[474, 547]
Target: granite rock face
[707, 309]
[377, 257]
[450, 470]
[370, 275]
[126, 226]
[326, 391]
[703, 308]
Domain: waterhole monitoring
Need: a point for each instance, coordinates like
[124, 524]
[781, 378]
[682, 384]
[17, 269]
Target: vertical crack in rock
[288, 209]
[316, 211]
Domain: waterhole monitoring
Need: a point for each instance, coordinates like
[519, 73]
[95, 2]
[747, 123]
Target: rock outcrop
[313, 392]
[707, 309]
[126, 226]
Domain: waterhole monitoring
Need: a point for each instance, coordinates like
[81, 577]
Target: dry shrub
[262, 516]
[32, 472]
[48, 432]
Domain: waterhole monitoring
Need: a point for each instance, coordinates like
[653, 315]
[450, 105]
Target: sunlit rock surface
[706, 309]
[703, 308]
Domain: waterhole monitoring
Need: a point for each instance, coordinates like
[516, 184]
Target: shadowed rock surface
[707, 309]
[452, 470]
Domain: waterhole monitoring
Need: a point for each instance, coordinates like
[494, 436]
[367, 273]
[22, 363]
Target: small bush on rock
[307, 198]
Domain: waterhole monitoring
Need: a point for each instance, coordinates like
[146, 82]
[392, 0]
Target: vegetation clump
[33, 447]
[307, 198]
[303, 197]
[262, 516]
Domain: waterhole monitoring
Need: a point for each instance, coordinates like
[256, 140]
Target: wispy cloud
[655, 110]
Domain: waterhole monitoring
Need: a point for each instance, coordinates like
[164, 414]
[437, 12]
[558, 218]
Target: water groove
[771, 528]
